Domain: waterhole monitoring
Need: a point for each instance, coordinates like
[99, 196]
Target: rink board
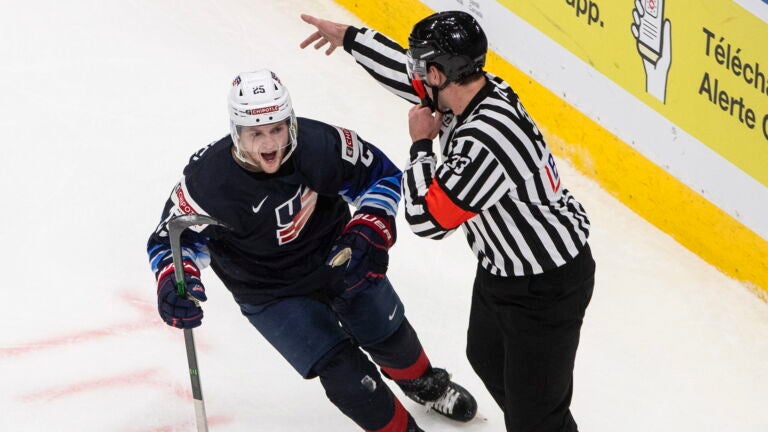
[644, 186]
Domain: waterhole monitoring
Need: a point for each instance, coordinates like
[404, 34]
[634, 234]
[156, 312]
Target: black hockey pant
[522, 340]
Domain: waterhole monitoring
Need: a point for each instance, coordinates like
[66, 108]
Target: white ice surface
[101, 103]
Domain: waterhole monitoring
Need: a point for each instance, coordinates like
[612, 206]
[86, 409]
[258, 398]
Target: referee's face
[434, 78]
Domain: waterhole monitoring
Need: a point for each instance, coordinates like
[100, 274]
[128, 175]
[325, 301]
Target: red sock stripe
[413, 371]
[399, 420]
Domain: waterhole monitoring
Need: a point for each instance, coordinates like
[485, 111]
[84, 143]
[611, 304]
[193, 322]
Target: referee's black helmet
[452, 40]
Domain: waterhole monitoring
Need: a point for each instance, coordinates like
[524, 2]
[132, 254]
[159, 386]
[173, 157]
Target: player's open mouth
[269, 157]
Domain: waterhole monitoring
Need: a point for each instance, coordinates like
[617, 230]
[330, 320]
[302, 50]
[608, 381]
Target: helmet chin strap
[432, 102]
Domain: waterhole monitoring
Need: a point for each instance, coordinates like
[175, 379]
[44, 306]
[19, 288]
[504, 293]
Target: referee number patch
[457, 163]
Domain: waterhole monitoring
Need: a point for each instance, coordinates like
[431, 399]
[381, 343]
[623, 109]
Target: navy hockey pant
[307, 334]
[522, 340]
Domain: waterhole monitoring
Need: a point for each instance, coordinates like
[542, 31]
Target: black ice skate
[436, 391]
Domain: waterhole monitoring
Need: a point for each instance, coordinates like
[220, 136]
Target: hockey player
[283, 185]
[499, 182]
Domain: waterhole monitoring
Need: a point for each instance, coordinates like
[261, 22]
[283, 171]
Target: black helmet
[453, 40]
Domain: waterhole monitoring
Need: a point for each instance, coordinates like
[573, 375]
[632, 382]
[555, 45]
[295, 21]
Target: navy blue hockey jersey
[282, 224]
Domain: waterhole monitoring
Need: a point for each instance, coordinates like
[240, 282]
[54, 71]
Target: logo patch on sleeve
[183, 204]
[180, 199]
[552, 175]
[352, 149]
[349, 145]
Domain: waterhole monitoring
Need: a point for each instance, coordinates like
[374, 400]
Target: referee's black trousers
[522, 340]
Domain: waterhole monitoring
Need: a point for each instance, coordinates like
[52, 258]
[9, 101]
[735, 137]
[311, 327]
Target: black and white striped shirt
[497, 180]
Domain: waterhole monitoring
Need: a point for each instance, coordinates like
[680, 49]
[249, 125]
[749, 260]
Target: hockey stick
[176, 227]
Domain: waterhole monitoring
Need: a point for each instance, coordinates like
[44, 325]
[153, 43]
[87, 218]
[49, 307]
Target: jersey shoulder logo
[292, 215]
[183, 204]
[352, 149]
[552, 175]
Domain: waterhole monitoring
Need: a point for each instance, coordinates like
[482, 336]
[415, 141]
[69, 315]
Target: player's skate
[436, 391]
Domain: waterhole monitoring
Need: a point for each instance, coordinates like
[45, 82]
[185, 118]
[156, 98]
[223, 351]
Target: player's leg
[306, 333]
[375, 316]
[355, 386]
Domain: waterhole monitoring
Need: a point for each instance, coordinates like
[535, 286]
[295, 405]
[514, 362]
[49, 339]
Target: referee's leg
[485, 345]
[541, 319]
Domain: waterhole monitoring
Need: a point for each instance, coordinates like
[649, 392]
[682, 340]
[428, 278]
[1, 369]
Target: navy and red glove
[368, 238]
[180, 311]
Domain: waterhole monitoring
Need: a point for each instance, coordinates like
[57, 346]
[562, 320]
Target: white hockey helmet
[259, 98]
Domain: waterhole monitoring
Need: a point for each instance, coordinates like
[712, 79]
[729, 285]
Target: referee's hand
[328, 33]
[423, 123]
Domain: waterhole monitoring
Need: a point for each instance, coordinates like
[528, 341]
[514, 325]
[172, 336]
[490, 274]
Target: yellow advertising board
[679, 80]
[701, 64]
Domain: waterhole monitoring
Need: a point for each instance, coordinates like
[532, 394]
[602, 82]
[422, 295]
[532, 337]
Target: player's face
[265, 145]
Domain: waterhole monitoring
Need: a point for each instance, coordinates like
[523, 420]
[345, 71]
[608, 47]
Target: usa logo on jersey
[293, 214]
[554, 177]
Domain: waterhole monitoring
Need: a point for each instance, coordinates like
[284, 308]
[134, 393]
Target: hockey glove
[180, 311]
[364, 246]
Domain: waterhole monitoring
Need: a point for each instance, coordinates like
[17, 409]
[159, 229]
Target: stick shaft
[194, 376]
[176, 227]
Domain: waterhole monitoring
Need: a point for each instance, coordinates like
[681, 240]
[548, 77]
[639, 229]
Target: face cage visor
[242, 142]
[417, 73]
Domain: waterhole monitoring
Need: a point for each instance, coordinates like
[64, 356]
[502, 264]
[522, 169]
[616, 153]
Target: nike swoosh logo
[257, 208]
[392, 315]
